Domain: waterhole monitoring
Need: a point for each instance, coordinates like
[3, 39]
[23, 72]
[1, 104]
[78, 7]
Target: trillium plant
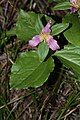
[53, 45]
[46, 37]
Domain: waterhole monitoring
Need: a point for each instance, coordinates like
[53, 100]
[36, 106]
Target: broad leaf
[28, 25]
[38, 25]
[70, 57]
[25, 26]
[58, 28]
[43, 50]
[30, 71]
[62, 6]
[72, 34]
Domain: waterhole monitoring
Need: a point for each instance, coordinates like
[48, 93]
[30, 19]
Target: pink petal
[52, 43]
[46, 29]
[35, 41]
[72, 1]
[73, 9]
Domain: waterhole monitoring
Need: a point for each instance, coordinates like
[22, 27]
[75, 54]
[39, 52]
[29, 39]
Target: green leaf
[79, 12]
[30, 71]
[43, 50]
[58, 28]
[11, 32]
[62, 6]
[48, 19]
[25, 26]
[39, 26]
[72, 34]
[70, 57]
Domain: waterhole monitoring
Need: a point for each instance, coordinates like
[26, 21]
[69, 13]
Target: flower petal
[46, 29]
[52, 43]
[35, 41]
[72, 1]
[73, 9]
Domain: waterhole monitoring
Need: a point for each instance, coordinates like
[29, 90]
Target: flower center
[76, 4]
[44, 36]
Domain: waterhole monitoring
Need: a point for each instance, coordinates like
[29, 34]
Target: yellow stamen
[76, 4]
[44, 36]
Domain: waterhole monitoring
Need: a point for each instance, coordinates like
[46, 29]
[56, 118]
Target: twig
[1, 2]
[71, 112]
[43, 106]
[15, 100]
[25, 109]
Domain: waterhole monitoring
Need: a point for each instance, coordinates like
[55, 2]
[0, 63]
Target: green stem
[63, 110]
[31, 4]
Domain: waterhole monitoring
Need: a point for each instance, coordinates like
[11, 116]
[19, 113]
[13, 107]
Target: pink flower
[45, 35]
[75, 5]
